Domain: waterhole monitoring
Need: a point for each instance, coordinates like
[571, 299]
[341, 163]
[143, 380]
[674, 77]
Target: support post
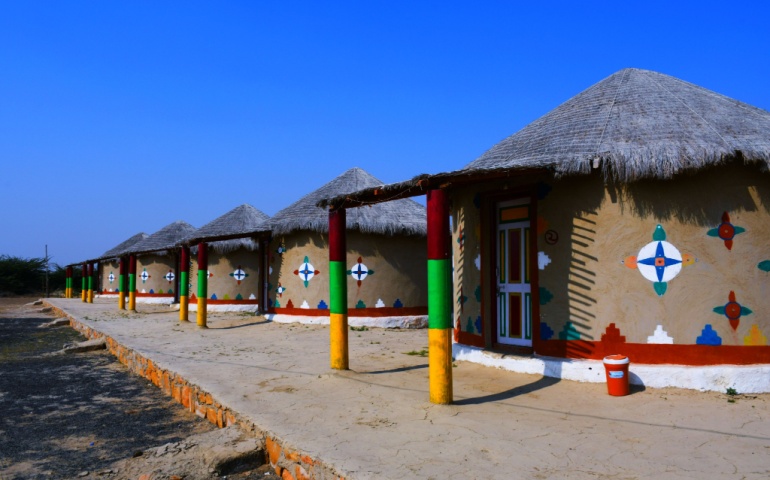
[90, 282]
[439, 298]
[84, 284]
[184, 283]
[68, 283]
[132, 282]
[203, 281]
[338, 290]
[122, 283]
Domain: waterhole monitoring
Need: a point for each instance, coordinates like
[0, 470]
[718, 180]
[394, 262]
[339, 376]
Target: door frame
[489, 279]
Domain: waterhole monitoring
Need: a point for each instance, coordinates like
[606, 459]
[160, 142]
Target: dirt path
[82, 415]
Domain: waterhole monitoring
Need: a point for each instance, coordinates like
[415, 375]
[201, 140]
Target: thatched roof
[232, 230]
[636, 124]
[400, 217]
[123, 247]
[240, 222]
[164, 239]
[632, 125]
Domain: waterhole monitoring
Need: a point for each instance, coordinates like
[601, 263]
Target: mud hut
[631, 219]
[385, 259]
[235, 261]
[157, 263]
[109, 266]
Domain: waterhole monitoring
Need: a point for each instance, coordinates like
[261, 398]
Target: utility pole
[46, 271]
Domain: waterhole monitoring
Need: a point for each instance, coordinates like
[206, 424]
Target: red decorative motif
[612, 334]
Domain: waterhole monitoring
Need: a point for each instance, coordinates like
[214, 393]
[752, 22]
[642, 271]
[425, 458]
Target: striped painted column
[439, 298]
[90, 282]
[338, 290]
[68, 283]
[132, 282]
[203, 283]
[184, 283]
[122, 283]
[84, 284]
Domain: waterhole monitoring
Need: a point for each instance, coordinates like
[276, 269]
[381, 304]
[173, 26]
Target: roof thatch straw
[637, 124]
[238, 223]
[123, 247]
[166, 238]
[227, 246]
[400, 217]
[632, 125]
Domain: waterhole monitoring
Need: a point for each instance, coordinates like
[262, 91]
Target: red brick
[301, 473]
[273, 452]
[186, 396]
[286, 475]
[230, 418]
[211, 415]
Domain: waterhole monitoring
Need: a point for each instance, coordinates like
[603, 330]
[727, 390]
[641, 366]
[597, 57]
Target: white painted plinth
[193, 307]
[154, 300]
[717, 378]
[407, 321]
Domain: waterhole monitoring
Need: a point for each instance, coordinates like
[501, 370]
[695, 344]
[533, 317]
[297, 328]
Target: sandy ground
[375, 421]
[86, 416]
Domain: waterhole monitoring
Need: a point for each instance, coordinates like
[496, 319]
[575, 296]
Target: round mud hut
[235, 261]
[386, 254]
[157, 263]
[109, 266]
[633, 219]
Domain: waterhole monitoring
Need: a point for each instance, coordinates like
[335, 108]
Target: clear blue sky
[120, 117]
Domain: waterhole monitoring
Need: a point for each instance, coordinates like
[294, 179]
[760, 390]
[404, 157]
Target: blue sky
[120, 117]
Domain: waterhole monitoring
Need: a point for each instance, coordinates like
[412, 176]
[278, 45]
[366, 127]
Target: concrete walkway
[375, 421]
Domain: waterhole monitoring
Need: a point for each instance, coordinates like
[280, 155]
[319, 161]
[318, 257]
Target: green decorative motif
[469, 326]
[764, 265]
[360, 304]
[545, 296]
[659, 235]
[569, 332]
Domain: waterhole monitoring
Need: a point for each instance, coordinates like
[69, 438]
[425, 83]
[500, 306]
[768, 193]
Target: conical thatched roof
[123, 247]
[232, 230]
[632, 125]
[238, 222]
[399, 217]
[165, 238]
[636, 124]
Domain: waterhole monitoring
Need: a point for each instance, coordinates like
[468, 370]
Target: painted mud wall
[156, 275]
[233, 276]
[707, 301]
[109, 275]
[386, 275]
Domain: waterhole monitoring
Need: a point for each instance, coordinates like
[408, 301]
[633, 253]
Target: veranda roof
[632, 125]
[166, 238]
[400, 217]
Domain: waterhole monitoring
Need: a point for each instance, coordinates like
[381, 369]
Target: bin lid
[616, 359]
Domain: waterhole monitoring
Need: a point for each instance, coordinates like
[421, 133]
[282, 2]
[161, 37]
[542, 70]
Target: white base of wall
[408, 321]
[155, 300]
[717, 378]
[193, 307]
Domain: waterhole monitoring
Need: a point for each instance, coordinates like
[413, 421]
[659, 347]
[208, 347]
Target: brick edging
[288, 463]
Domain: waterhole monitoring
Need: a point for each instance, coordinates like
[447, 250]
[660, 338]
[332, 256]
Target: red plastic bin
[616, 370]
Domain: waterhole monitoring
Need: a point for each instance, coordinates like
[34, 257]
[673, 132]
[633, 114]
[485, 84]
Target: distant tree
[19, 276]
